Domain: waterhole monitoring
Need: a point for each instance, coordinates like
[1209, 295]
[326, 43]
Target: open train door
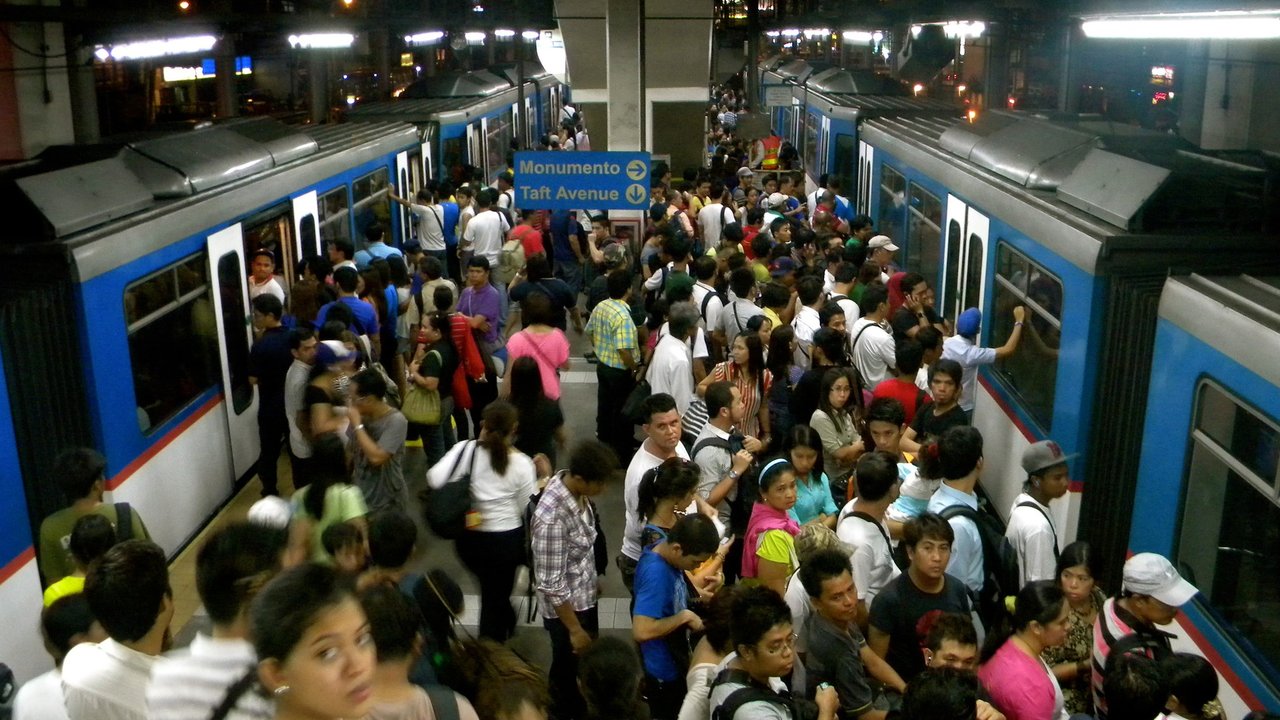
[235, 332]
[404, 188]
[306, 232]
[963, 278]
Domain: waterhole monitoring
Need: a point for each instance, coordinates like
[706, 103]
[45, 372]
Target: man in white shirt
[861, 526]
[671, 368]
[870, 340]
[880, 249]
[64, 624]
[128, 591]
[714, 216]
[809, 299]
[733, 319]
[263, 279]
[963, 348]
[486, 231]
[341, 253]
[430, 217]
[662, 442]
[189, 684]
[1030, 530]
[302, 345]
[845, 274]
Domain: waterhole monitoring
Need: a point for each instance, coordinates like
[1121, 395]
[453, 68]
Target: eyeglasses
[778, 648]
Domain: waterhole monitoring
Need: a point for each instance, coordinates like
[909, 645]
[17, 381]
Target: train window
[846, 158]
[335, 220]
[173, 344]
[453, 158]
[952, 290]
[1032, 371]
[973, 273]
[310, 238]
[811, 126]
[497, 143]
[1230, 555]
[371, 206]
[231, 280]
[272, 229]
[924, 238]
[893, 194]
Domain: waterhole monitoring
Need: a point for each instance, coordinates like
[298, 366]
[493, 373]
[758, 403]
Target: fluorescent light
[530, 35]
[816, 33]
[964, 28]
[1188, 26]
[504, 33]
[790, 32]
[857, 36]
[424, 38]
[322, 41]
[475, 38]
[772, 33]
[877, 36]
[157, 48]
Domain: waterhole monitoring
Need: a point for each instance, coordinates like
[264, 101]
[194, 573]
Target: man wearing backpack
[1031, 531]
[961, 460]
[722, 457]
[861, 526]
[1151, 594]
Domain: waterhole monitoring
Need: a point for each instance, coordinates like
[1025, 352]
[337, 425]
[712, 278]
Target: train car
[1208, 489]
[124, 320]
[1080, 222]
[471, 120]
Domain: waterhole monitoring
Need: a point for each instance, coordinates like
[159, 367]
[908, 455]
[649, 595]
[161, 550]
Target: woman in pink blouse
[546, 345]
[1021, 685]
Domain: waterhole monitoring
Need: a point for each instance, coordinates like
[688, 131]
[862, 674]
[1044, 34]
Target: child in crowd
[345, 544]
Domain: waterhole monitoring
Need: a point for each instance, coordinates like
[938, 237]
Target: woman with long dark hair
[540, 420]
[502, 481]
[1072, 661]
[745, 369]
[330, 498]
[814, 504]
[838, 421]
[1019, 682]
[433, 370]
[780, 360]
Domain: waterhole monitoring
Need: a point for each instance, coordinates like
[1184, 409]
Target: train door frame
[431, 136]
[972, 223]
[530, 121]
[242, 423]
[305, 206]
[475, 143]
[404, 188]
[866, 170]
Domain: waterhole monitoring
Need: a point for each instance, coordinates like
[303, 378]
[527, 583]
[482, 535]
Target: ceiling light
[504, 33]
[322, 41]
[964, 28]
[157, 48]
[424, 38]
[857, 36]
[530, 35]
[1187, 26]
[474, 38]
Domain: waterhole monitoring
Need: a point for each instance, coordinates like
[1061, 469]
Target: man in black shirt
[943, 414]
[269, 362]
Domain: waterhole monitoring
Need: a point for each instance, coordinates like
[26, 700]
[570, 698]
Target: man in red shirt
[528, 234]
[907, 356]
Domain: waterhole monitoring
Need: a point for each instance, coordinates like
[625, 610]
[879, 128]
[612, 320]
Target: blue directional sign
[577, 180]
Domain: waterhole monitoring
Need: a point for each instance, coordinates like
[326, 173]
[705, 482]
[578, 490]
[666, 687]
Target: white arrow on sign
[635, 170]
[636, 194]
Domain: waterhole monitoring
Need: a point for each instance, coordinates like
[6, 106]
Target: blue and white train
[124, 321]
[1081, 222]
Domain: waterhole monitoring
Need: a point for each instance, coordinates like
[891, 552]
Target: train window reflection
[811, 125]
[335, 221]
[173, 339]
[235, 317]
[924, 239]
[893, 196]
[1231, 554]
[371, 206]
[1032, 371]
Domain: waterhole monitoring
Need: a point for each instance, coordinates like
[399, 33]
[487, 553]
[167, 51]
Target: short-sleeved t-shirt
[269, 362]
[928, 425]
[55, 538]
[903, 320]
[441, 361]
[813, 498]
[778, 546]
[342, 503]
[560, 294]
[384, 486]
[660, 593]
[912, 398]
[872, 557]
[897, 611]
[550, 351]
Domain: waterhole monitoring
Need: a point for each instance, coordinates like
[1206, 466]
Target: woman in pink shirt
[546, 345]
[1019, 682]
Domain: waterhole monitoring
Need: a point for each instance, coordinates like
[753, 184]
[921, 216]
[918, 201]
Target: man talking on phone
[723, 455]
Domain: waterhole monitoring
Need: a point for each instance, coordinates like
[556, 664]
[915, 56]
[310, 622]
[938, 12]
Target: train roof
[860, 106]
[439, 109]
[1240, 312]
[82, 194]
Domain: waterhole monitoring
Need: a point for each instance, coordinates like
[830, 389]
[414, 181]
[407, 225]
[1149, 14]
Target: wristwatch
[733, 474]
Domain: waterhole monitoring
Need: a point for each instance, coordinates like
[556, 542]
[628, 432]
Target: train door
[866, 157]
[405, 190]
[475, 144]
[306, 232]
[963, 284]
[235, 329]
[431, 137]
[530, 124]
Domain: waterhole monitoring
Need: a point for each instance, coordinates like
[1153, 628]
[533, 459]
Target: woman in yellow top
[330, 498]
[91, 537]
[769, 549]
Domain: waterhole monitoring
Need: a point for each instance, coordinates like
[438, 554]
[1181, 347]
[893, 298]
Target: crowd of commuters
[803, 531]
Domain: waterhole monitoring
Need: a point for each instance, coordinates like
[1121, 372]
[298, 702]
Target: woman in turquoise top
[814, 504]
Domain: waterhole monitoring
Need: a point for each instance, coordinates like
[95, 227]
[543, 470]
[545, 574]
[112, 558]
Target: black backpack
[445, 508]
[1000, 575]
[741, 504]
[796, 708]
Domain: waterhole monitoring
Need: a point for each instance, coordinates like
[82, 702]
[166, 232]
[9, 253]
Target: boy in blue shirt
[662, 619]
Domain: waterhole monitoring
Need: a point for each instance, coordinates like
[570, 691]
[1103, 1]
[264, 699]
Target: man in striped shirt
[189, 684]
[1151, 595]
[612, 333]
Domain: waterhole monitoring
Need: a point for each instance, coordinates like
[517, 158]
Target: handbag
[631, 407]
[422, 406]
[445, 508]
[393, 390]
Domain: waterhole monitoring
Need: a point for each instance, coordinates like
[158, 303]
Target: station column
[624, 45]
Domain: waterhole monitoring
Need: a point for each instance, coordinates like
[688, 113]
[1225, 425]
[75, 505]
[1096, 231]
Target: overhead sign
[777, 95]
[555, 180]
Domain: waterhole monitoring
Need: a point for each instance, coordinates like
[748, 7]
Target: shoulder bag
[422, 406]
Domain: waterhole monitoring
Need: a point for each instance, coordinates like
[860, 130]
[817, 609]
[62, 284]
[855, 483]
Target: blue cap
[969, 322]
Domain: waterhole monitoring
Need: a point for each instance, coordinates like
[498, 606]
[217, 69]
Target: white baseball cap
[1153, 575]
[882, 241]
[272, 512]
[776, 200]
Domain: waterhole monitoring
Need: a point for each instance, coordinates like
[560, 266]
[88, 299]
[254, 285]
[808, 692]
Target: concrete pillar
[380, 39]
[83, 90]
[318, 76]
[997, 75]
[1068, 82]
[225, 62]
[1192, 88]
[624, 46]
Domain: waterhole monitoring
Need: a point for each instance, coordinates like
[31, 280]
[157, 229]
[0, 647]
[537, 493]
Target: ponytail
[648, 501]
[675, 478]
[499, 422]
[930, 460]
